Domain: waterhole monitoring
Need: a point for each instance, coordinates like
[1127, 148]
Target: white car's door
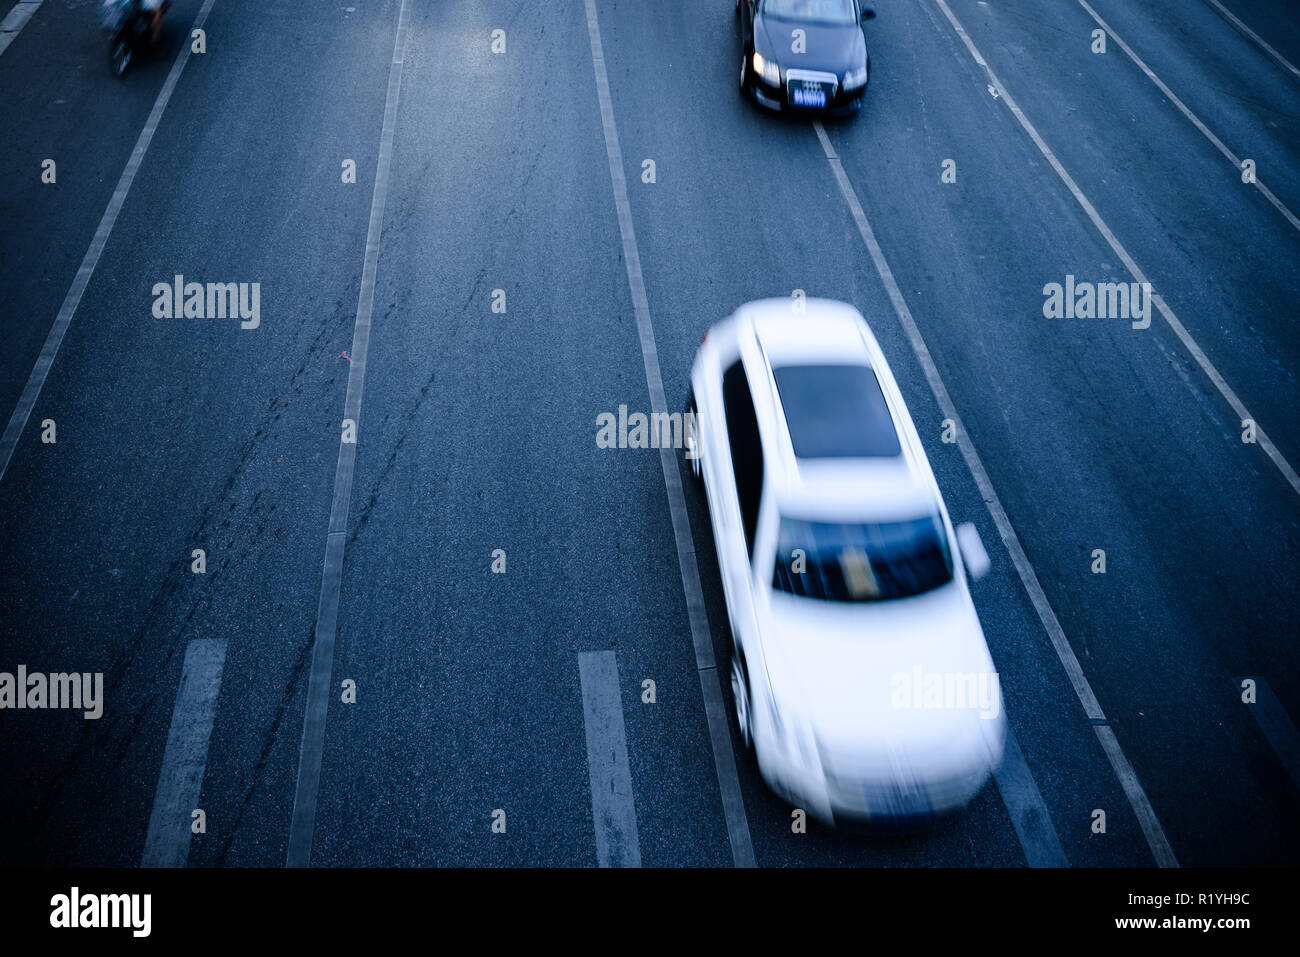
[720, 393]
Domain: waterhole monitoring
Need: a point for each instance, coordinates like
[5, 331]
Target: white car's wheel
[744, 72]
[740, 694]
[693, 415]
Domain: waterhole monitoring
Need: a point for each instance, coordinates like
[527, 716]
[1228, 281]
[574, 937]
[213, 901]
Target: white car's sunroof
[836, 411]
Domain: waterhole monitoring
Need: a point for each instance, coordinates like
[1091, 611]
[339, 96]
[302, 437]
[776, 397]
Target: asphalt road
[477, 426]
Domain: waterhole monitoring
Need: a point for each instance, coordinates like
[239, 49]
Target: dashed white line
[15, 20]
[1137, 797]
[1026, 808]
[724, 759]
[1276, 724]
[36, 381]
[303, 823]
[1231, 18]
[1192, 117]
[1184, 336]
[613, 807]
[180, 781]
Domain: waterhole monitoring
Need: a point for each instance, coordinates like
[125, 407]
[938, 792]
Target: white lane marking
[16, 19]
[36, 381]
[303, 822]
[724, 759]
[1276, 725]
[1195, 120]
[1137, 796]
[1027, 810]
[180, 781]
[1231, 18]
[1155, 834]
[613, 807]
[1188, 342]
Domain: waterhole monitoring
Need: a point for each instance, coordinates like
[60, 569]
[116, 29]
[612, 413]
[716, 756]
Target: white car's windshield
[861, 561]
[821, 11]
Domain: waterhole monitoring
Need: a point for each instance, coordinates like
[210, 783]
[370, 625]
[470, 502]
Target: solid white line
[1276, 725]
[1026, 808]
[1188, 342]
[724, 760]
[36, 381]
[180, 781]
[15, 20]
[1195, 120]
[1155, 834]
[310, 755]
[613, 807]
[1281, 60]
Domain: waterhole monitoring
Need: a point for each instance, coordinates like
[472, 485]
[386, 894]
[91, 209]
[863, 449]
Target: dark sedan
[804, 55]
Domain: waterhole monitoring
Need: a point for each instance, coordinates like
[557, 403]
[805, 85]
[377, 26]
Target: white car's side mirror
[972, 551]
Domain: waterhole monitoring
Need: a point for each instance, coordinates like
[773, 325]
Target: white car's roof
[829, 333]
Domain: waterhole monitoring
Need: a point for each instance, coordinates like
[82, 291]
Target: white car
[859, 670]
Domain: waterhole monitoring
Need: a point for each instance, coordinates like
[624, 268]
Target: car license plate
[806, 97]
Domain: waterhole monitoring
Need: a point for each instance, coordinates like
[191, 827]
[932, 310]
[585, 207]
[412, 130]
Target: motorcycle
[128, 27]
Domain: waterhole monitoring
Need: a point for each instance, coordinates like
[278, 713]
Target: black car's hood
[835, 48]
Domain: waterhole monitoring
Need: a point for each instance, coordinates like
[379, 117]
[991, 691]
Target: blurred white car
[859, 670]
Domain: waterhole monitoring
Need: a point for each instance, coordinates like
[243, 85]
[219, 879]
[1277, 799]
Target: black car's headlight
[769, 71]
[856, 78]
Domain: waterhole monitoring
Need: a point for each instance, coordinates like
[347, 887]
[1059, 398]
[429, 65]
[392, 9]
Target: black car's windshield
[861, 562]
[821, 11]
